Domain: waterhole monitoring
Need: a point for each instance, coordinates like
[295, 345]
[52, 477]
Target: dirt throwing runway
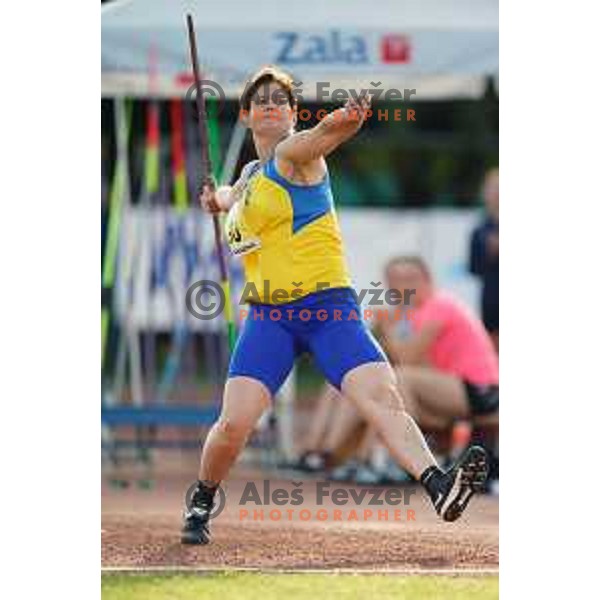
[140, 528]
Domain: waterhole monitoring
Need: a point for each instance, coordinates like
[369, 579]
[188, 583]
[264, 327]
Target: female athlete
[282, 223]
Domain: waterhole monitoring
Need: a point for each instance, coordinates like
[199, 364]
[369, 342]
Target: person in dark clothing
[484, 256]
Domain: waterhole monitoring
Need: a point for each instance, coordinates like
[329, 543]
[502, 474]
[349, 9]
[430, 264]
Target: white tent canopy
[440, 48]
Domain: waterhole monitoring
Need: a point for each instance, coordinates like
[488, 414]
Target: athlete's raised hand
[356, 108]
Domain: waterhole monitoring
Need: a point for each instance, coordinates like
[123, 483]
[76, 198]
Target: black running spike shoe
[457, 486]
[197, 515]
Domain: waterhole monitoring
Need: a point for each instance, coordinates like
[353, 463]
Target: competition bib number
[240, 239]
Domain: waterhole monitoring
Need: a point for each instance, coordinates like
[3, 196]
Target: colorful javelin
[208, 179]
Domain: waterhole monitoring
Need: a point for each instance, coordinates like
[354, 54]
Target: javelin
[208, 179]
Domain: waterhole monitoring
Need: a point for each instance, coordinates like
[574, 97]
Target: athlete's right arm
[216, 200]
[224, 197]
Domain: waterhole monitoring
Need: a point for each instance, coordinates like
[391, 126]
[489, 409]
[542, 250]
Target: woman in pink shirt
[448, 366]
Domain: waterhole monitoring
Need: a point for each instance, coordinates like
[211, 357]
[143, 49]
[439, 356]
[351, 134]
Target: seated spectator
[448, 368]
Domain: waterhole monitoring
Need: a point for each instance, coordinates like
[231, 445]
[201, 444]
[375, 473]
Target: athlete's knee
[231, 431]
[394, 399]
[384, 392]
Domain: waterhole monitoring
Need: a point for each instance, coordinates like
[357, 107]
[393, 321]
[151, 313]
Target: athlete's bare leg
[373, 391]
[244, 401]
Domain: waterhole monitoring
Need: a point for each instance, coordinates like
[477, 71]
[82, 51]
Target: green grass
[258, 586]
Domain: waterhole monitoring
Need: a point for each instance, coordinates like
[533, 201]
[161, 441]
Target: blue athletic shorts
[327, 324]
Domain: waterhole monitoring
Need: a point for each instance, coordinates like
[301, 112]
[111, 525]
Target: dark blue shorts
[328, 324]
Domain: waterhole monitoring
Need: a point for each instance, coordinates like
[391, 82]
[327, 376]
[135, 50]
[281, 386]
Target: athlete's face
[406, 276]
[270, 110]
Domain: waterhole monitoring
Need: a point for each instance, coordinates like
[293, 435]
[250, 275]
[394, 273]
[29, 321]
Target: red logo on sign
[395, 48]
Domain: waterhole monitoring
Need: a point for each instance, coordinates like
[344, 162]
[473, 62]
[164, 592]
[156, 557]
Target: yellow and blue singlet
[297, 281]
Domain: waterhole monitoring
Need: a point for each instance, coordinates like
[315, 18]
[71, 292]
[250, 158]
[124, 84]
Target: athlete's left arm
[412, 351]
[337, 127]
